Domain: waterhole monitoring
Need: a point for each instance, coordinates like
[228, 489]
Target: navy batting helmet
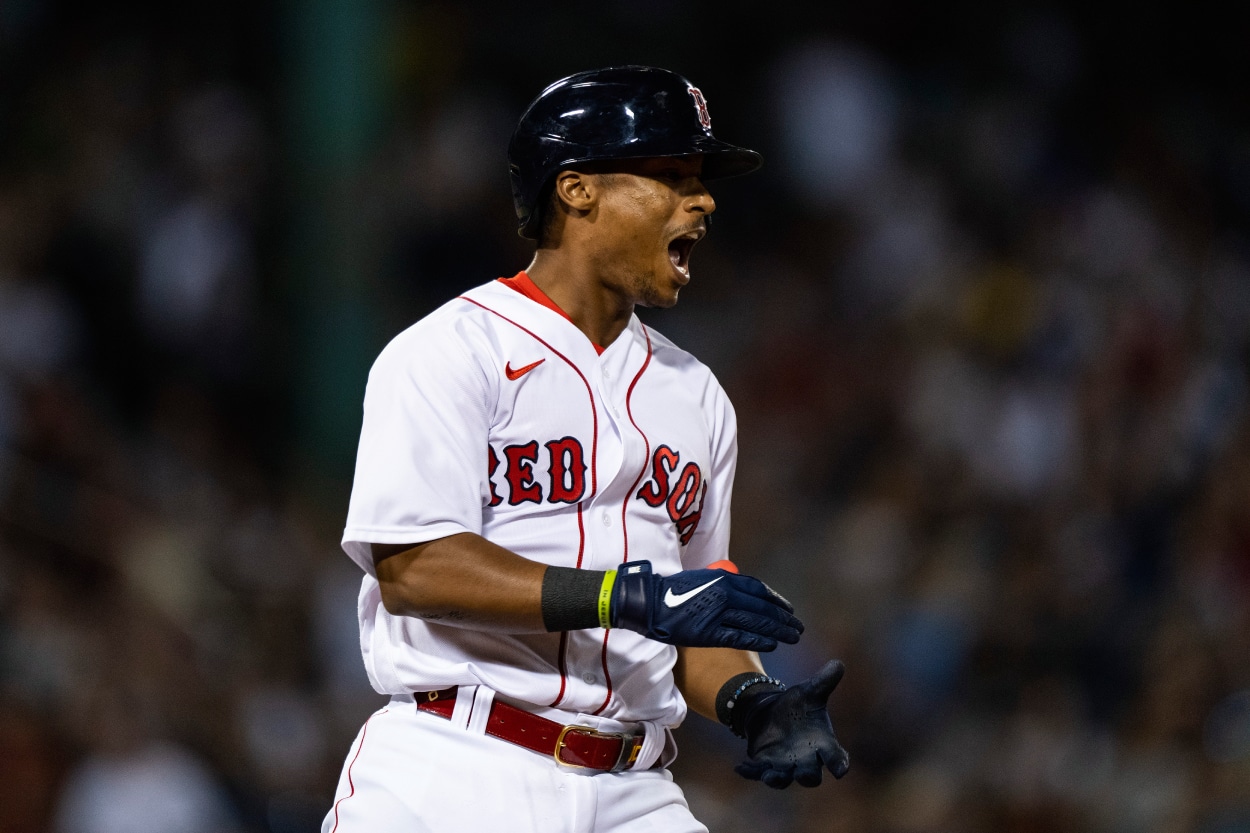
[629, 112]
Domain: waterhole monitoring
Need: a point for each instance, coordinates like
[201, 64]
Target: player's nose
[700, 199]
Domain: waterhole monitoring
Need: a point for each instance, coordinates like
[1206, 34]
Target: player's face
[651, 214]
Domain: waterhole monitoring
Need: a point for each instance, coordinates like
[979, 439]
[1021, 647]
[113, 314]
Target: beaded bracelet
[733, 697]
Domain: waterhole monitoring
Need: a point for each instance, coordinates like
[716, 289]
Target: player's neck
[596, 309]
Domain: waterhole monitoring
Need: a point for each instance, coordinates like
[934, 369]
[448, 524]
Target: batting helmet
[630, 112]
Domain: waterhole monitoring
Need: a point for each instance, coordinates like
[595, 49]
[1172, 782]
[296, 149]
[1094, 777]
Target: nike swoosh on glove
[702, 609]
[789, 734]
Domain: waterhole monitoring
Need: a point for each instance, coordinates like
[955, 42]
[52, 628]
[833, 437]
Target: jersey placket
[614, 379]
[623, 455]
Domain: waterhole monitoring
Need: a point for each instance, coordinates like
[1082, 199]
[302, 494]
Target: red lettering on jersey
[687, 525]
[568, 471]
[663, 463]
[700, 103]
[520, 473]
[684, 493]
[680, 502]
[493, 463]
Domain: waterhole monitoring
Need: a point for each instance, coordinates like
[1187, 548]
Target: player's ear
[577, 190]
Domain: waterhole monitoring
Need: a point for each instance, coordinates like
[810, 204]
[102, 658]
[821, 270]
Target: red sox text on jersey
[679, 489]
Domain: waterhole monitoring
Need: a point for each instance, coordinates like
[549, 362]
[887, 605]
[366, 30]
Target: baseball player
[541, 510]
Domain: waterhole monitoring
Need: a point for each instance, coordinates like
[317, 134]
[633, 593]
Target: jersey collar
[522, 283]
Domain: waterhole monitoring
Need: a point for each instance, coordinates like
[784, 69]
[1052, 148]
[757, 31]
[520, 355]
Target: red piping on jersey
[524, 284]
[363, 731]
[564, 669]
[594, 415]
[581, 534]
[594, 468]
[646, 457]
[606, 676]
[564, 635]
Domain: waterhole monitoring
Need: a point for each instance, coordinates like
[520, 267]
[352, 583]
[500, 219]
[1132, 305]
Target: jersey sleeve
[421, 465]
[710, 541]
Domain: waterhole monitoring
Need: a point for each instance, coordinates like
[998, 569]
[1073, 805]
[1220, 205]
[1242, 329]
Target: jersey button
[589, 679]
[607, 518]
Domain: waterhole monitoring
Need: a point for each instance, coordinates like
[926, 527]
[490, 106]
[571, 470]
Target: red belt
[580, 747]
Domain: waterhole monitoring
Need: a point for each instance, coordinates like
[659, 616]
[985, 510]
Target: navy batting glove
[702, 609]
[789, 734]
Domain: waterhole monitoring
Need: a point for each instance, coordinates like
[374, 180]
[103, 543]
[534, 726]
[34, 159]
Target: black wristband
[571, 598]
[736, 695]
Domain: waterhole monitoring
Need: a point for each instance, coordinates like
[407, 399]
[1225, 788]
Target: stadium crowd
[986, 327]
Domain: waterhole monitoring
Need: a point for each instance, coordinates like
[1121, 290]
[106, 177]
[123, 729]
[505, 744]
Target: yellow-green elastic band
[605, 599]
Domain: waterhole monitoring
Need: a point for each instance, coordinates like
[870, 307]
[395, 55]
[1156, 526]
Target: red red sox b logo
[679, 489]
[700, 103]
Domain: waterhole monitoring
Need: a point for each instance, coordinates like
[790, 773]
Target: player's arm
[789, 735]
[701, 672]
[461, 580]
[466, 581]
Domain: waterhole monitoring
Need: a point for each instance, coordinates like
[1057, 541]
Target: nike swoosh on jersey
[672, 599]
[520, 371]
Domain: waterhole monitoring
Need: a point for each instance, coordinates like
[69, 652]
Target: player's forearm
[466, 581]
[700, 673]
[462, 580]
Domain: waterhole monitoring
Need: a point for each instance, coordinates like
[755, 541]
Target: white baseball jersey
[495, 415]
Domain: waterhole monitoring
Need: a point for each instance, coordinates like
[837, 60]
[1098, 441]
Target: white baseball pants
[415, 772]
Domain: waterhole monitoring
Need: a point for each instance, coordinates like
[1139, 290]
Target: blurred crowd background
[984, 314]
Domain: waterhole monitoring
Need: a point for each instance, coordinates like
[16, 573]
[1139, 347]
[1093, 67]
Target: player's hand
[789, 734]
[702, 609]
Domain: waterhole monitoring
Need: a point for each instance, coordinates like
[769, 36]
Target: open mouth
[679, 250]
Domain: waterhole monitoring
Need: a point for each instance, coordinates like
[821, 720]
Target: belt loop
[465, 695]
[483, 698]
[654, 741]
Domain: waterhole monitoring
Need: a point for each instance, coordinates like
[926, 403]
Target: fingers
[840, 764]
[809, 774]
[744, 641]
[765, 609]
[751, 586]
[777, 776]
[787, 631]
[824, 681]
[778, 779]
[778, 598]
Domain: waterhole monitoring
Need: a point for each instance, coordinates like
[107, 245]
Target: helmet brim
[721, 160]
